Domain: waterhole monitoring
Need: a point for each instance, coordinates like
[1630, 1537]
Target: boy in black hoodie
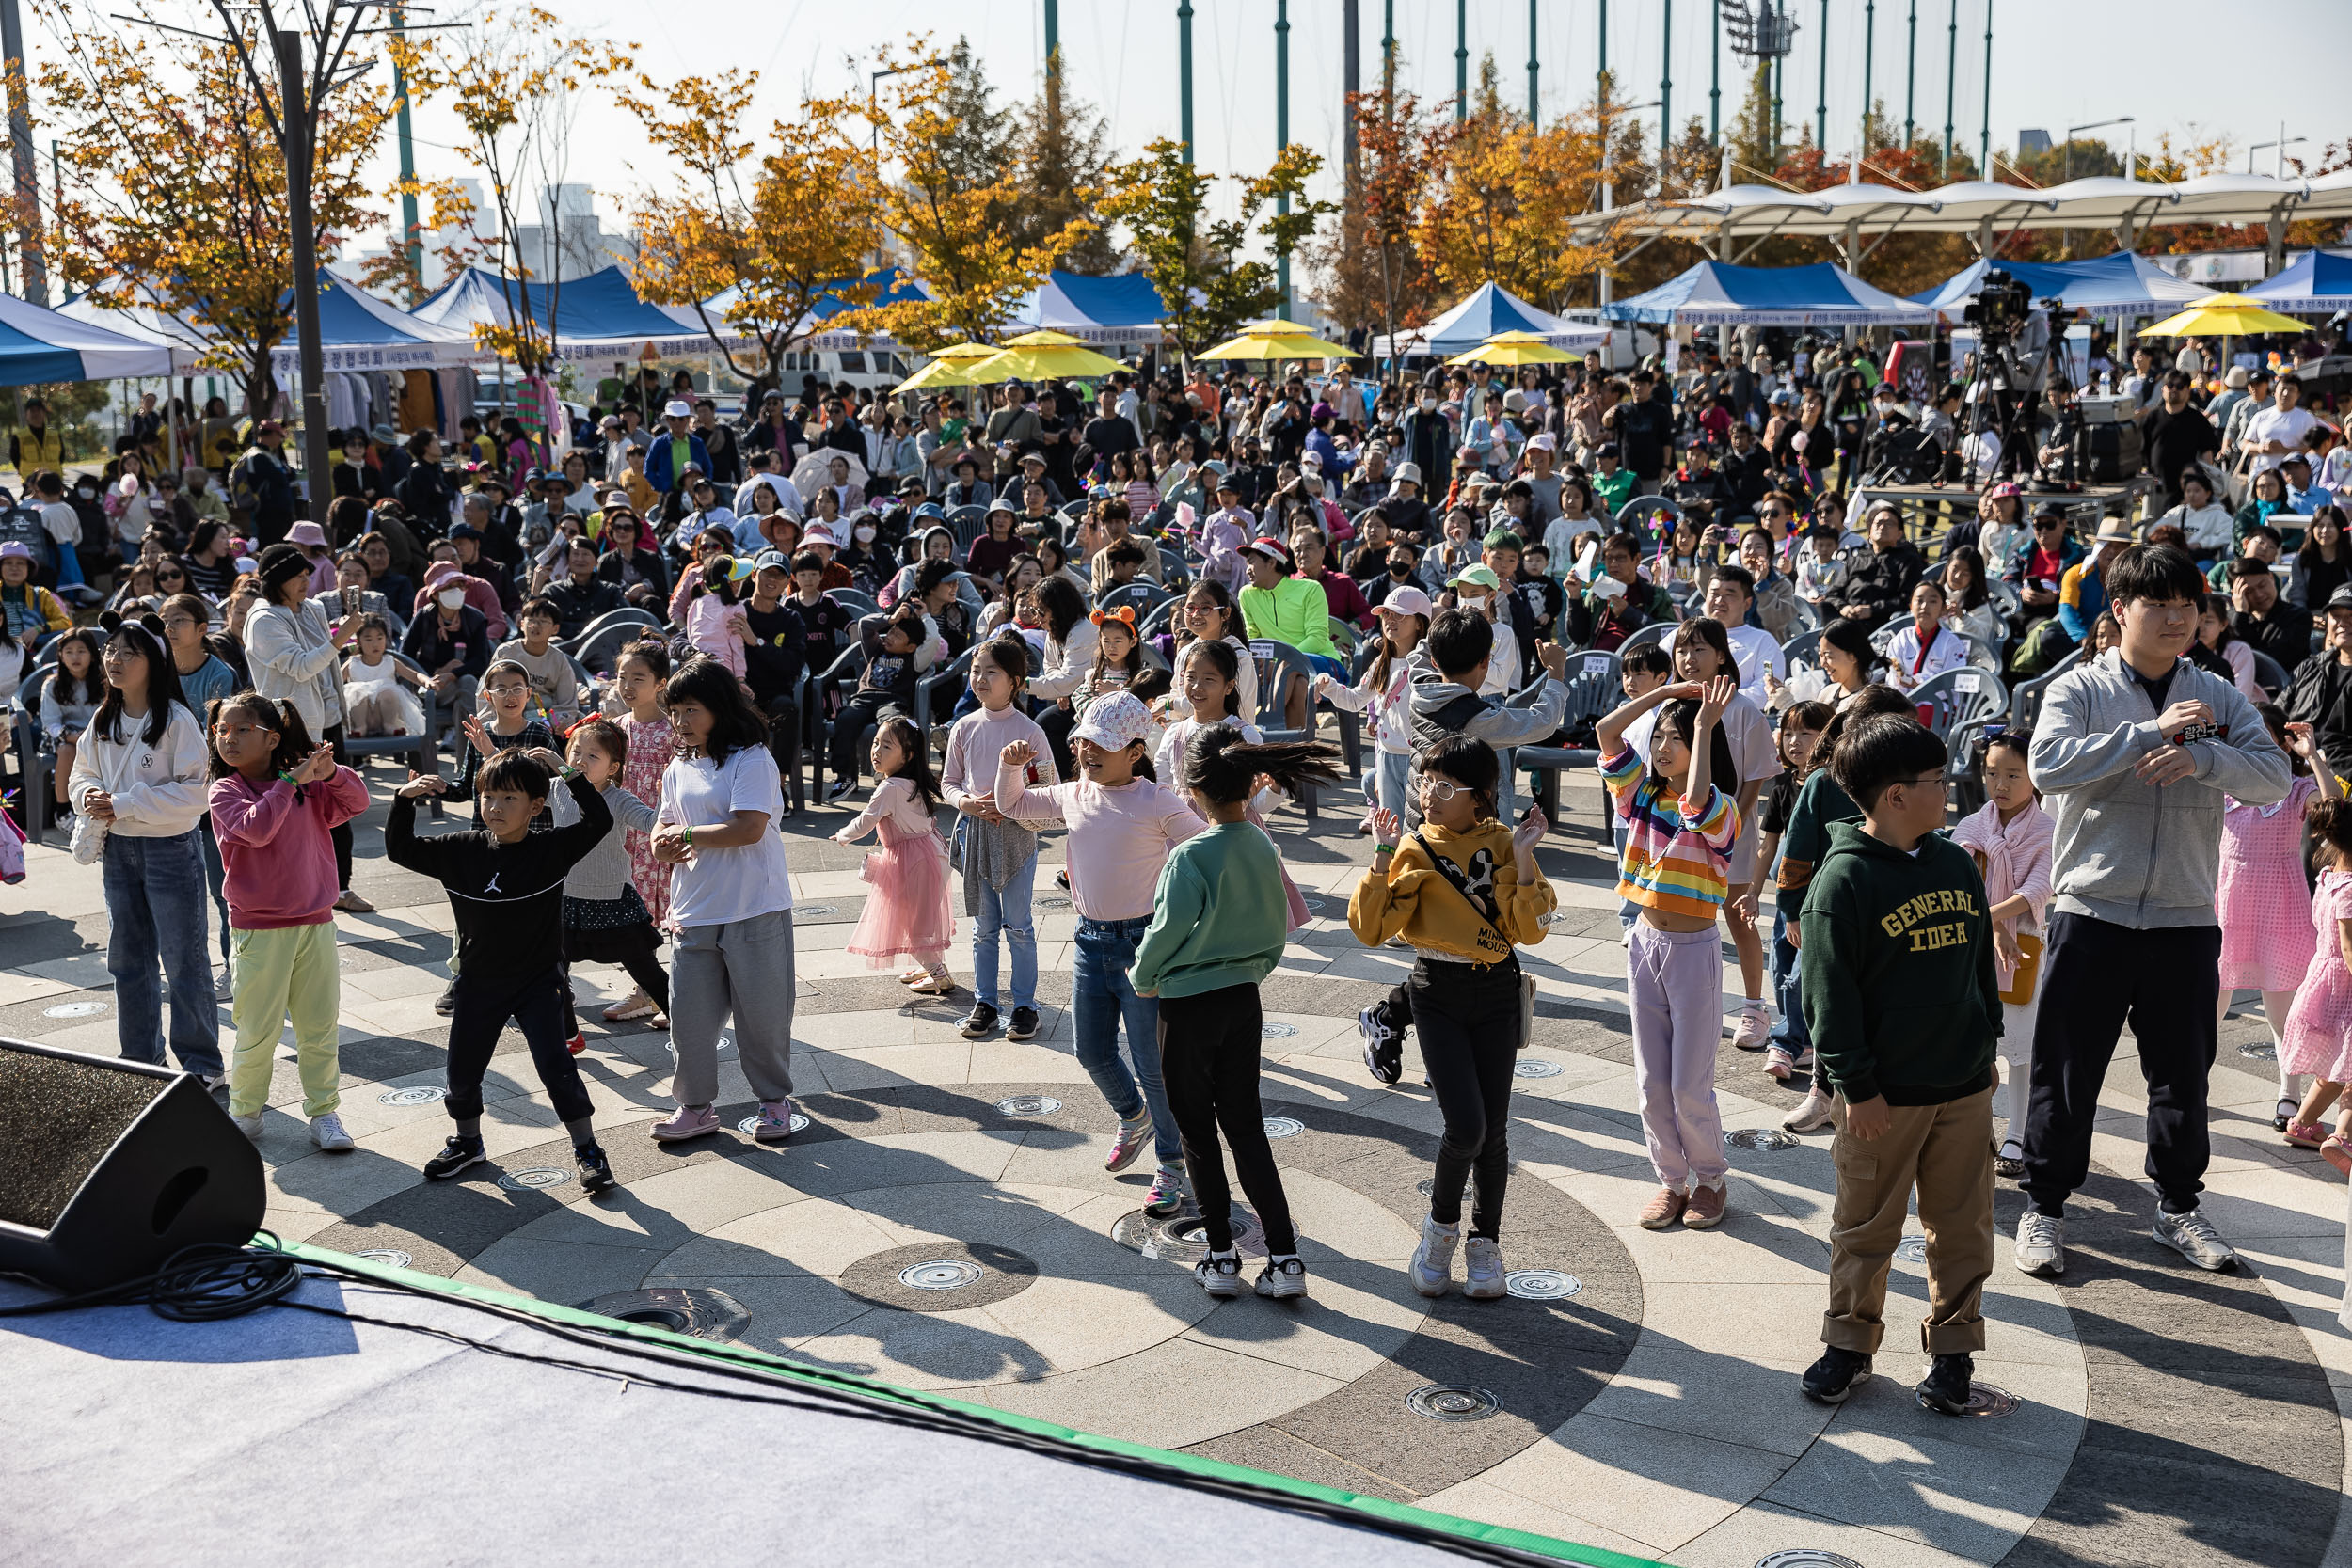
[505, 885]
[1904, 1004]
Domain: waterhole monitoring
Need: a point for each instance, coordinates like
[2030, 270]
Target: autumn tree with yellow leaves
[778, 228]
[1499, 202]
[514, 79]
[172, 190]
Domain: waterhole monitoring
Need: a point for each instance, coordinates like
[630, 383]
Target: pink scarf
[2016, 860]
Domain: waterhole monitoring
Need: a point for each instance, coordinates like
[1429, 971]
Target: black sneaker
[1946, 1388]
[457, 1154]
[1384, 1046]
[1023, 1024]
[446, 1003]
[838, 788]
[596, 1171]
[980, 1022]
[1837, 1375]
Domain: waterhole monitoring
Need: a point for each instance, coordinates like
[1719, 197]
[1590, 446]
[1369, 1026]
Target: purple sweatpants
[1675, 981]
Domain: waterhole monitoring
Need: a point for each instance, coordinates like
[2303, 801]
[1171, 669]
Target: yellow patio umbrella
[2223, 316]
[966, 351]
[1513, 348]
[950, 367]
[1276, 340]
[1041, 354]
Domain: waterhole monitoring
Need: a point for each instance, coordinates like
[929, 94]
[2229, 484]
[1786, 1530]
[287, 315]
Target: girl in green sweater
[1219, 919]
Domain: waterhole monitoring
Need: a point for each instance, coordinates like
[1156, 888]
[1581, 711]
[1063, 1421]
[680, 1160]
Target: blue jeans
[1007, 911]
[1099, 997]
[1788, 1031]
[216, 876]
[155, 910]
[1393, 781]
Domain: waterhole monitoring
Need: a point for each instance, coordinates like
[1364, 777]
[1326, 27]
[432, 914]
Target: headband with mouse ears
[1124, 616]
[112, 622]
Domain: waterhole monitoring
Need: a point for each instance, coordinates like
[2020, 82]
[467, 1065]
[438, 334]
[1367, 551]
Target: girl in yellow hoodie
[1464, 893]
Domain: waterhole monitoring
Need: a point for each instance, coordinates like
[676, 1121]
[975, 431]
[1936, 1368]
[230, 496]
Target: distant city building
[2031, 140]
[569, 240]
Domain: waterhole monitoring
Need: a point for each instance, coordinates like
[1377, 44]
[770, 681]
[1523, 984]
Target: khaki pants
[1946, 1152]
[291, 973]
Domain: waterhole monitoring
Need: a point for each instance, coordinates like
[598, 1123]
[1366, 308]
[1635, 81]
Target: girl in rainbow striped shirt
[1681, 822]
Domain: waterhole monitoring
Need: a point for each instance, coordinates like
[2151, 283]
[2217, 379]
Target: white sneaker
[1811, 1115]
[327, 1132]
[1432, 1268]
[1221, 1276]
[2194, 1237]
[1482, 1269]
[1753, 1029]
[1283, 1278]
[250, 1126]
[2042, 1244]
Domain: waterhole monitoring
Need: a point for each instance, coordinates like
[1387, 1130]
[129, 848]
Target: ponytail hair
[1223, 767]
[294, 744]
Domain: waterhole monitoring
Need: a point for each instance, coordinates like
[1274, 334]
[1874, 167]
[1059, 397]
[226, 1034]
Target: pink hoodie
[278, 861]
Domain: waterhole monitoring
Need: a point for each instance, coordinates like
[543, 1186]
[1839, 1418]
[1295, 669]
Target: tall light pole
[1715, 76]
[1283, 131]
[1183, 72]
[1534, 99]
[2095, 125]
[2279, 167]
[27, 155]
[1388, 48]
[1869, 47]
[1666, 82]
[1951, 83]
[1911, 74]
[1053, 33]
[1600, 79]
[1461, 60]
[1984, 144]
[1821, 108]
[412, 241]
[1351, 83]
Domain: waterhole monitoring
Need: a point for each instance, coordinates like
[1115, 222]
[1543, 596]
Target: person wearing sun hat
[679, 446]
[1123, 823]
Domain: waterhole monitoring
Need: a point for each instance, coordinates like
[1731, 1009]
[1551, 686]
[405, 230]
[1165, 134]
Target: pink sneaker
[1128, 1142]
[1754, 1028]
[687, 1122]
[1780, 1062]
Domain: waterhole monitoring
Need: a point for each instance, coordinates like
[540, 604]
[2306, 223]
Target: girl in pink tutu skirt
[2318, 1034]
[906, 912]
[2264, 903]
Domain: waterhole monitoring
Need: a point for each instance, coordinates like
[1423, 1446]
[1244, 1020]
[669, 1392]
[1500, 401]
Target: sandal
[2284, 1113]
[2337, 1152]
[2008, 1164]
[2306, 1134]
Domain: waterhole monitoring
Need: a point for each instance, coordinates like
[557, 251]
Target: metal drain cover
[1541, 1284]
[1185, 1238]
[1912, 1249]
[1053, 903]
[1451, 1401]
[1028, 1105]
[531, 1179]
[1536, 1067]
[393, 1256]
[750, 1124]
[941, 1273]
[2261, 1051]
[1806, 1556]
[418, 1094]
[1987, 1400]
[74, 1009]
[693, 1311]
[1276, 1031]
[1760, 1137]
[1284, 1127]
[810, 912]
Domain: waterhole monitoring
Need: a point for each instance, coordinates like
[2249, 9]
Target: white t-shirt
[717, 886]
[2286, 425]
[1756, 652]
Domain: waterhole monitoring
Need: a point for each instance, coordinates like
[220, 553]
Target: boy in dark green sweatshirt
[1904, 1005]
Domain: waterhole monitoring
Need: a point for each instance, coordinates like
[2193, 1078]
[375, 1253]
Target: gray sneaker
[250, 1126]
[2194, 1237]
[1482, 1269]
[1432, 1268]
[2042, 1244]
[1283, 1278]
[1221, 1276]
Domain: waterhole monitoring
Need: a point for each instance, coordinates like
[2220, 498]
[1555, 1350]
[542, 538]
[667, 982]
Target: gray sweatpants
[743, 967]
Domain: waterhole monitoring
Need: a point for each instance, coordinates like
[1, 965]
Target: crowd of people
[1122, 616]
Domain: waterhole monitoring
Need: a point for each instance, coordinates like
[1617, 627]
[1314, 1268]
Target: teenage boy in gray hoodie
[2132, 753]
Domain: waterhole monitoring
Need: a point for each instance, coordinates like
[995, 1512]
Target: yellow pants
[1947, 1153]
[292, 973]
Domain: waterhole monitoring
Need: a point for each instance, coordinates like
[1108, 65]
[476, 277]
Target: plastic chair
[2269, 673]
[1161, 617]
[966, 524]
[34, 767]
[1143, 595]
[1639, 507]
[1803, 648]
[602, 652]
[1346, 635]
[1279, 665]
[628, 616]
[1660, 632]
[2025, 703]
[1592, 691]
[854, 599]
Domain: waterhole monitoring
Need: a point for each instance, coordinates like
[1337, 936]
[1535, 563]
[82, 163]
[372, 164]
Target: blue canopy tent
[1122, 311]
[38, 345]
[586, 317]
[1715, 294]
[2315, 283]
[892, 285]
[1489, 311]
[2117, 285]
[358, 331]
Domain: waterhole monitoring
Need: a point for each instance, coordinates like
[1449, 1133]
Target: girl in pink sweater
[275, 799]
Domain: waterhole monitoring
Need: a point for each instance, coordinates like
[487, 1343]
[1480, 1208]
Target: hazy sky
[2177, 65]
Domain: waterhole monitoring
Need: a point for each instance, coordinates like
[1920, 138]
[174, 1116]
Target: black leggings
[1056, 722]
[783, 744]
[647, 969]
[1469, 1019]
[864, 707]
[341, 831]
[536, 1004]
[1209, 1048]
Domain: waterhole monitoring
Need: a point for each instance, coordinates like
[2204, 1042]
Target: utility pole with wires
[27, 155]
[292, 89]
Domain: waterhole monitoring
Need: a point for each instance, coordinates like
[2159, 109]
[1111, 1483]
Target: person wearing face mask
[865, 562]
[1428, 436]
[450, 642]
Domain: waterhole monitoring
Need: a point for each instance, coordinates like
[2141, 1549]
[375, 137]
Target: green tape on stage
[790, 1371]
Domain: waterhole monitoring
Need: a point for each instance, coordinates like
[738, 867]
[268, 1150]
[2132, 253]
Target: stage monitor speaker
[108, 1167]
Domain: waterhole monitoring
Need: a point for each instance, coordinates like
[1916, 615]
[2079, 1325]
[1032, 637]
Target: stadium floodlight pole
[1951, 83]
[1715, 76]
[1461, 60]
[1984, 143]
[2095, 125]
[1053, 31]
[1666, 81]
[1184, 74]
[1869, 47]
[26, 154]
[1282, 129]
[1601, 76]
[1911, 74]
[1534, 99]
[1351, 83]
[1821, 109]
[1388, 48]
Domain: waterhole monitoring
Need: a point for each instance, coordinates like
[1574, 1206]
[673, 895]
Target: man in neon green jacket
[1281, 608]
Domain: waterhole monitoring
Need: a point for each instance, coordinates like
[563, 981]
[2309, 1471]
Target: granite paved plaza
[944, 1222]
